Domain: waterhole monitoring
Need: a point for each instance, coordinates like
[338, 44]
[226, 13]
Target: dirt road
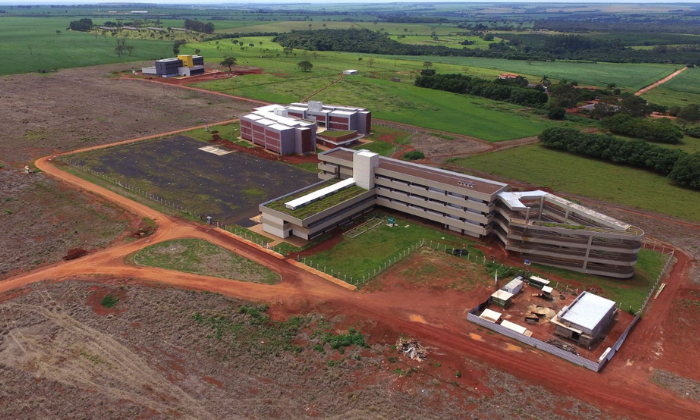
[642, 91]
[618, 389]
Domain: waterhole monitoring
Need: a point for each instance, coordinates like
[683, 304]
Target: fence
[656, 283]
[475, 258]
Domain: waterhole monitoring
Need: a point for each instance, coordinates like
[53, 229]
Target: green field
[445, 41]
[201, 257]
[374, 248]
[384, 140]
[606, 181]
[50, 50]
[372, 88]
[632, 76]
[682, 90]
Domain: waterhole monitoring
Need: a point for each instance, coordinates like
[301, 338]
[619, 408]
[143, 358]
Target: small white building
[515, 327]
[350, 72]
[585, 318]
[491, 316]
[514, 286]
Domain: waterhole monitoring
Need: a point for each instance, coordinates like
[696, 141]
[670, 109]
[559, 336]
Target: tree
[229, 62]
[427, 64]
[635, 106]
[606, 107]
[197, 51]
[287, 51]
[370, 62]
[305, 65]
[129, 49]
[690, 113]
[121, 46]
[176, 49]
[556, 113]
[545, 81]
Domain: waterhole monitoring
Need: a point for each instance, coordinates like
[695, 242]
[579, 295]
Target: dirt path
[323, 88]
[660, 82]
[212, 92]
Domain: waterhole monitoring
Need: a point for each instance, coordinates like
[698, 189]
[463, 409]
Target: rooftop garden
[318, 205]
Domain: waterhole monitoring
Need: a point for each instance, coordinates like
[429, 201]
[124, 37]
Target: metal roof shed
[514, 286]
[491, 316]
[588, 313]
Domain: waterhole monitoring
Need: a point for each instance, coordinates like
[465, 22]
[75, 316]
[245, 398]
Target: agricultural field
[574, 174]
[682, 90]
[34, 44]
[201, 257]
[630, 76]
[451, 41]
[385, 140]
[228, 188]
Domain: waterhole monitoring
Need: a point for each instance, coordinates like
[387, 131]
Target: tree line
[497, 90]
[198, 26]
[661, 130]
[555, 47]
[681, 167]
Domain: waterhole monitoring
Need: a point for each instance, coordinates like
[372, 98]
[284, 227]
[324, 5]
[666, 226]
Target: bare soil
[41, 220]
[42, 114]
[157, 355]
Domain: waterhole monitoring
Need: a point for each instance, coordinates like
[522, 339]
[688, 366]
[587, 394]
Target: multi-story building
[542, 227]
[333, 125]
[272, 128]
[182, 65]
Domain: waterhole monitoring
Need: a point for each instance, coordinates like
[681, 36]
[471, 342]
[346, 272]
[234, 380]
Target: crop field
[631, 76]
[34, 44]
[682, 90]
[445, 41]
[597, 179]
[228, 188]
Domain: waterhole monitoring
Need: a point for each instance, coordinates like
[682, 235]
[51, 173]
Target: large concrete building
[285, 128]
[182, 65]
[585, 319]
[542, 227]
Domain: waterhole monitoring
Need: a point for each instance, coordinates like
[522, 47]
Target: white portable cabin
[491, 316]
[514, 286]
[350, 72]
[515, 327]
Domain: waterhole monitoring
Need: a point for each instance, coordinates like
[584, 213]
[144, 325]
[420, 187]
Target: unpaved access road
[642, 91]
[619, 390]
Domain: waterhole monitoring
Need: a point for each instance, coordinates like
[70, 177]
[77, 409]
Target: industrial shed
[585, 319]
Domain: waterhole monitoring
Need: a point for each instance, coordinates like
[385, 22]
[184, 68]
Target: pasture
[453, 41]
[33, 44]
[597, 179]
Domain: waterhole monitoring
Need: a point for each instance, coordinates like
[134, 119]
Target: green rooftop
[316, 206]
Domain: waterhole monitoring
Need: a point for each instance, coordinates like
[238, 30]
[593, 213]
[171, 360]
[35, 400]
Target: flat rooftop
[315, 207]
[465, 182]
[587, 310]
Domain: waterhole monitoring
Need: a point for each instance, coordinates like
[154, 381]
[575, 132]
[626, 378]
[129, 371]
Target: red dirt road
[660, 82]
[620, 388]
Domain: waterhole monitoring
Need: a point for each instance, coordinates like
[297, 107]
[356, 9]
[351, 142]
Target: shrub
[109, 301]
[353, 337]
[690, 113]
[556, 113]
[692, 132]
[413, 155]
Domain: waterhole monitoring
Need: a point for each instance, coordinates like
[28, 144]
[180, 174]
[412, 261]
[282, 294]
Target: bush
[690, 113]
[686, 171]
[662, 131]
[353, 337]
[109, 301]
[556, 113]
[413, 155]
[692, 132]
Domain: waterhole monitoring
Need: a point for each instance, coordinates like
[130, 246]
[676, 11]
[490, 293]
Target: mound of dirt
[74, 254]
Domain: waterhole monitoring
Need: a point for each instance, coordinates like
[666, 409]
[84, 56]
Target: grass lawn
[376, 247]
[682, 90]
[630, 293]
[316, 206]
[598, 179]
[50, 50]
[445, 41]
[201, 257]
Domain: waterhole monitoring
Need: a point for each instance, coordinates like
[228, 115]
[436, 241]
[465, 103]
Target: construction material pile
[566, 347]
[411, 348]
